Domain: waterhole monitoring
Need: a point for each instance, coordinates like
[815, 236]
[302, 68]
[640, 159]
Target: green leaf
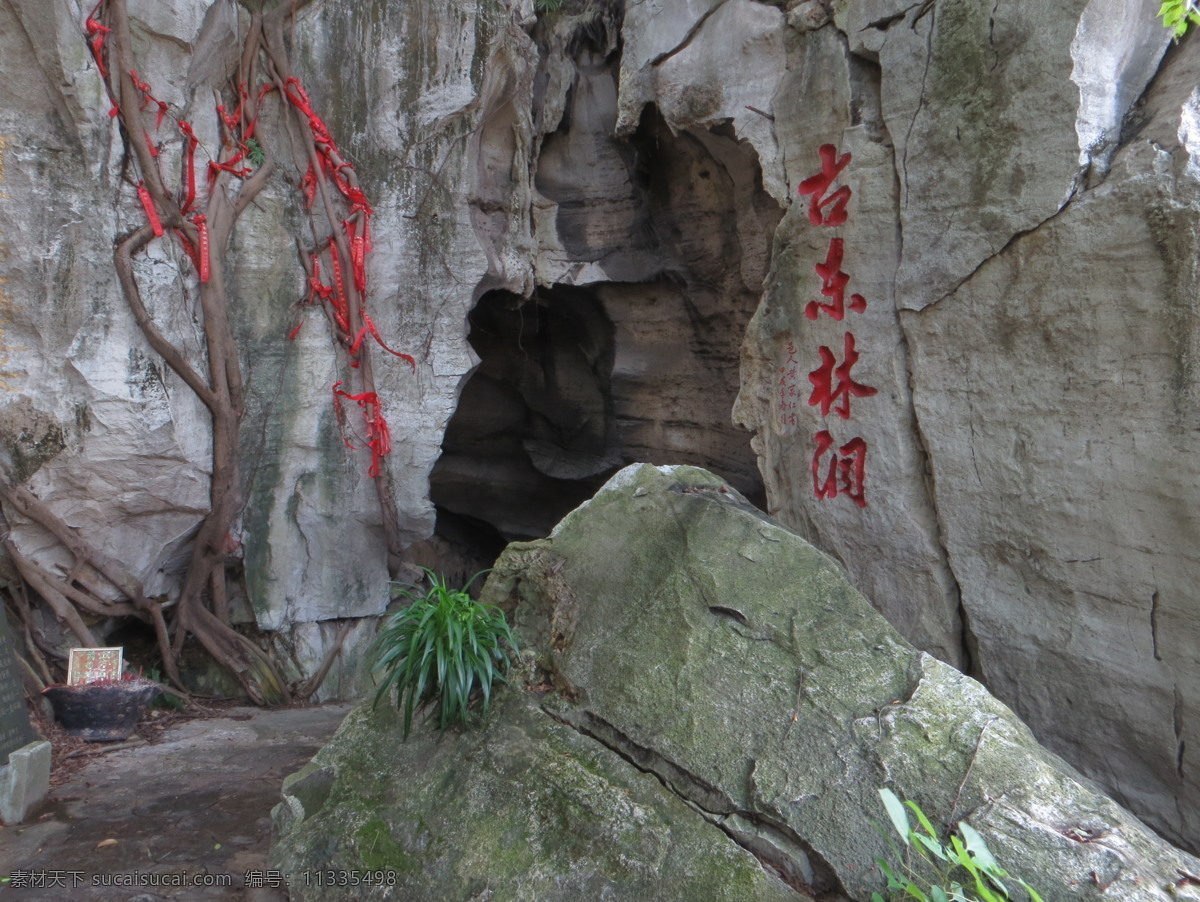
[1177, 15]
[895, 810]
[958, 852]
[915, 891]
[1033, 895]
[982, 856]
[985, 894]
[937, 894]
[997, 883]
[921, 818]
[893, 879]
[875, 897]
[977, 846]
[254, 153]
[934, 847]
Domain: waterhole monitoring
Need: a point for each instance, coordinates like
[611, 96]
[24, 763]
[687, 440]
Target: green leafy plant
[255, 153]
[1177, 15]
[547, 6]
[445, 644]
[965, 853]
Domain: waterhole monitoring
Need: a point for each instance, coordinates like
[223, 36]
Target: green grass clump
[444, 645]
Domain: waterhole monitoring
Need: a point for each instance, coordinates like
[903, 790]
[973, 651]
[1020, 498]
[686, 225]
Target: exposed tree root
[314, 683]
[97, 586]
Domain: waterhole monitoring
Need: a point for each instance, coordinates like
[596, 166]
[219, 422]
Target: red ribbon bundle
[96, 34]
[202, 263]
[148, 98]
[329, 162]
[379, 438]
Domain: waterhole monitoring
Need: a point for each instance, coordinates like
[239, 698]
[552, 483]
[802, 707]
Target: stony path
[184, 819]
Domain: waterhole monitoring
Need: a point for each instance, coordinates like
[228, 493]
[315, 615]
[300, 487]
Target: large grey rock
[1070, 526]
[1027, 204]
[24, 781]
[689, 638]
[528, 809]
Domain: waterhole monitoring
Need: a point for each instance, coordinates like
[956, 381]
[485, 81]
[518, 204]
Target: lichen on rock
[724, 707]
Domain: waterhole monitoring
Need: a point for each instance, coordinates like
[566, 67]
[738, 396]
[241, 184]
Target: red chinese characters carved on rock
[831, 383]
[835, 469]
[817, 185]
[845, 472]
[833, 286]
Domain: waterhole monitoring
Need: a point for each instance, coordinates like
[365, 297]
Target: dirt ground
[182, 812]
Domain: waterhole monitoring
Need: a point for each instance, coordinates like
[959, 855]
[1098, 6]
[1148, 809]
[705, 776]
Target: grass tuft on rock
[445, 646]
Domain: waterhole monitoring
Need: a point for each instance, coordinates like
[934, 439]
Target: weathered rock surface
[529, 809]
[105, 434]
[720, 694]
[1022, 229]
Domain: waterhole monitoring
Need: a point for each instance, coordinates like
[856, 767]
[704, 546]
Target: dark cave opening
[632, 354]
[533, 435]
[572, 385]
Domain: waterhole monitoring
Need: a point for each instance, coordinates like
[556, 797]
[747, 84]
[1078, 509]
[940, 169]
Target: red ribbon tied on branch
[148, 98]
[202, 259]
[151, 212]
[96, 34]
[346, 304]
[379, 439]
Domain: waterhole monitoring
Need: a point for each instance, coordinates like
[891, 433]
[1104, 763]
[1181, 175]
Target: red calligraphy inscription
[833, 286]
[836, 470]
[845, 472]
[831, 383]
[817, 185]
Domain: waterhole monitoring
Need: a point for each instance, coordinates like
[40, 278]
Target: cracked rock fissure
[687, 38]
[775, 845]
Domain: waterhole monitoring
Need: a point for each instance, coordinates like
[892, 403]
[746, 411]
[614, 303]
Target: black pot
[100, 713]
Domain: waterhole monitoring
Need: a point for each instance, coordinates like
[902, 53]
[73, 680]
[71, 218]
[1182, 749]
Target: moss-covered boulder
[526, 808]
[710, 711]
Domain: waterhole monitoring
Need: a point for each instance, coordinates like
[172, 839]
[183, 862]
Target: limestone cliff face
[1023, 230]
[589, 233]
[105, 434]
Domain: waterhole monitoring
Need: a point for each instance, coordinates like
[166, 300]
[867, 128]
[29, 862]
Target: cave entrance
[533, 435]
[573, 384]
[661, 243]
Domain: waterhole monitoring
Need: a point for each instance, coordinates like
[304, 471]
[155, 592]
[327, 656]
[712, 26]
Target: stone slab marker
[25, 779]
